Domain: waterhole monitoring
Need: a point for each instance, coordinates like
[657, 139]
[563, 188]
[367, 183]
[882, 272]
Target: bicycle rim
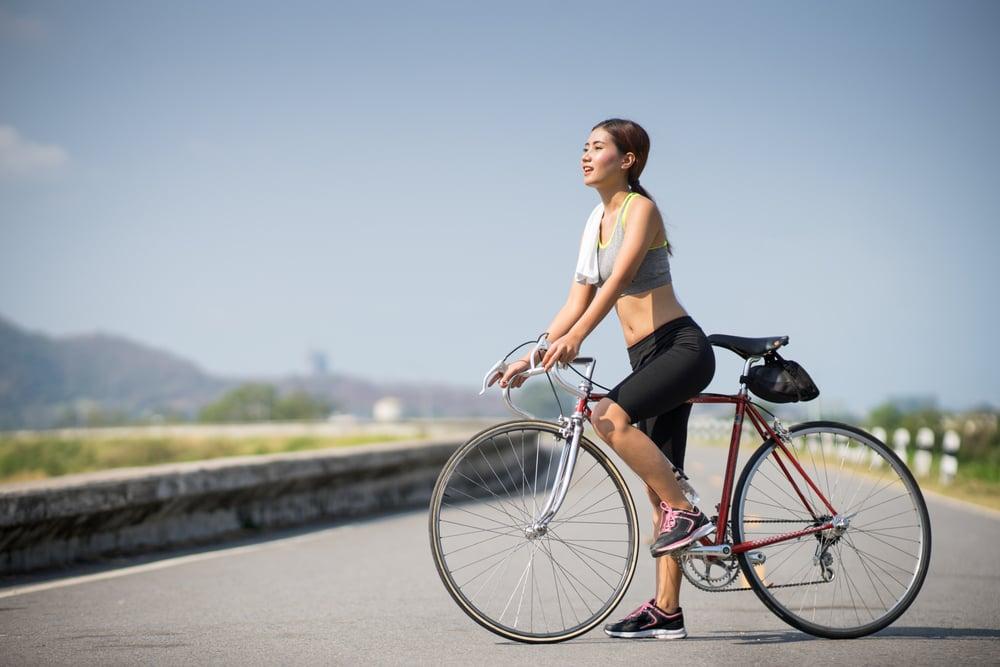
[549, 588]
[837, 583]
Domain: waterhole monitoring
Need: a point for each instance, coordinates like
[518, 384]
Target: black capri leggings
[669, 366]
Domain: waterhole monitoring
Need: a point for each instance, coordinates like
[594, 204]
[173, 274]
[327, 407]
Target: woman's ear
[628, 160]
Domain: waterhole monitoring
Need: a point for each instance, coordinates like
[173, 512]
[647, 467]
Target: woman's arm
[643, 223]
[579, 298]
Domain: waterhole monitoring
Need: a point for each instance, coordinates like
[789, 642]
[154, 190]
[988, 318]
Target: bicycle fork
[564, 473]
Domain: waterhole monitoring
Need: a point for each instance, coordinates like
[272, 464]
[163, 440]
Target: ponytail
[633, 185]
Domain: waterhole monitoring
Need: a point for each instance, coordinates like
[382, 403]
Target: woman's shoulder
[641, 205]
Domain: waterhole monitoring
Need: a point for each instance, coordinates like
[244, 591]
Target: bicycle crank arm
[724, 551]
[717, 550]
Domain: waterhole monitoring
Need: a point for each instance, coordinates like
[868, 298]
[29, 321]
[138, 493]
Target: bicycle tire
[597, 491]
[878, 563]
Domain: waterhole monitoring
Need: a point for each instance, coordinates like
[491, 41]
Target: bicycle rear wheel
[847, 581]
[539, 589]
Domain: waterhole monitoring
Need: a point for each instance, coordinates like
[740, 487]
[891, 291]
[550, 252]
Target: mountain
[50, 381]
[46, 380]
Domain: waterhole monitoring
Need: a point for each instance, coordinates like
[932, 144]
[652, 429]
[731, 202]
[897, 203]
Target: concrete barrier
[128, 511]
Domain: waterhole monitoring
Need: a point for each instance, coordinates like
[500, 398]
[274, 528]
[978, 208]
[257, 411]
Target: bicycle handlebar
[533, 369]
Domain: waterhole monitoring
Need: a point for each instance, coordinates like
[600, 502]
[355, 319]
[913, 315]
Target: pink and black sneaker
[679, 528]
[649, 622]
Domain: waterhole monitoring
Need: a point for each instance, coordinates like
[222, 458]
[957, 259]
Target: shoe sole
[649, 634]
[696, 535]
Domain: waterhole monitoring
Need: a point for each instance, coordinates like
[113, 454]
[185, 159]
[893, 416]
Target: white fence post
[949, 463]
[922, 457]
[900, 441]
[879, 433]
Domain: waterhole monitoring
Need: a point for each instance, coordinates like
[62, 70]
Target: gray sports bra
[655, 268]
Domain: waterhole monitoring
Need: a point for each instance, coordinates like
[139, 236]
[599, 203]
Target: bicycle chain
[750, 588]
[677, 557]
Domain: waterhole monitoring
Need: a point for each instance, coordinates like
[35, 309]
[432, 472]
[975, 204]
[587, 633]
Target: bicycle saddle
[748, 347]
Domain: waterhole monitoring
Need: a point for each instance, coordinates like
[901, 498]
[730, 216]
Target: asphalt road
[368, 593]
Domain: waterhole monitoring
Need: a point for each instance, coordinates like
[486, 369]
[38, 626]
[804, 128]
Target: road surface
[367, 592]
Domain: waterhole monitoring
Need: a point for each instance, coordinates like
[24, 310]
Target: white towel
[586, 263]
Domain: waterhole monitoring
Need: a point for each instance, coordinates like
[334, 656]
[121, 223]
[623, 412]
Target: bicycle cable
[527, 342]
[593, 382]
[761, 407]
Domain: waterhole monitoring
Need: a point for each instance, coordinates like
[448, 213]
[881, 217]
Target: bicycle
[535, 550]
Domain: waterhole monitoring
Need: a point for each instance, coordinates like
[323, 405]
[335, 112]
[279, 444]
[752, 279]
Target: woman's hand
[513, 369]
[564, 350]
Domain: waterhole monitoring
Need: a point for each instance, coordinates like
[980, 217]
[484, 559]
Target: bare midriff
[642, 314]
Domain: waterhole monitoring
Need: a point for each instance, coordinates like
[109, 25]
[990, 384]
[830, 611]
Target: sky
[398, 184]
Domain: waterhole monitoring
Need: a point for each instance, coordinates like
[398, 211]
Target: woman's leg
[668, 571]
[660, 384]
[640, 453]
[669, 432]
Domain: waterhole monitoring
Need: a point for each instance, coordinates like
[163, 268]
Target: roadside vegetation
[24, 458]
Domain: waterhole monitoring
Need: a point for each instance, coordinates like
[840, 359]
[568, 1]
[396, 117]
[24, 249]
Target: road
[367, 592]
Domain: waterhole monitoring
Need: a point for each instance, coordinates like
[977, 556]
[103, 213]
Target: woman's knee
[609, 419]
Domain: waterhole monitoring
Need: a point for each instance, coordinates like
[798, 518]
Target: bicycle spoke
[589, 558]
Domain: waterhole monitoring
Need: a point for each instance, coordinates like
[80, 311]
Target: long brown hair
[629, 137]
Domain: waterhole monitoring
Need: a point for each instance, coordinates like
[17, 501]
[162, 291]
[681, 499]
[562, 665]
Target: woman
[626, 255]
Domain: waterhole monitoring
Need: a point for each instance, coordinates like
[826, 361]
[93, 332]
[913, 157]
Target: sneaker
[649, 622]
[679, 528]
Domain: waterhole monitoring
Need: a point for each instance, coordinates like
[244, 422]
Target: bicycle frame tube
[745, 408]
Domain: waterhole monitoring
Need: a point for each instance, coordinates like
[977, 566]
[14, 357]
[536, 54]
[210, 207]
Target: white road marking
[166, 563]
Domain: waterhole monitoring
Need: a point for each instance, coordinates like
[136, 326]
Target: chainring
[712, 574]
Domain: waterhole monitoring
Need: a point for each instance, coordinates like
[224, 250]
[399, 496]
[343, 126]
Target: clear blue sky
[398, 183]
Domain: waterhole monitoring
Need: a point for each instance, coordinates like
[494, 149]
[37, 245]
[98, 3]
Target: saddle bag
[781, 381]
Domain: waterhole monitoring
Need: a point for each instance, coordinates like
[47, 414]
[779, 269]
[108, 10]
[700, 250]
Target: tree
[255, 402]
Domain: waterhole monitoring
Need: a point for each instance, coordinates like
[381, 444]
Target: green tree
[251, 402]
[301, 405]
[255, 402]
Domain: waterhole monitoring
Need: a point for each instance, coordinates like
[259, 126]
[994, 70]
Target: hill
[46, 381]
[50, 381]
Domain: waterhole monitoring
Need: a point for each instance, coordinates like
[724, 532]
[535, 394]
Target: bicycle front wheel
[527, 587]
[855, 578]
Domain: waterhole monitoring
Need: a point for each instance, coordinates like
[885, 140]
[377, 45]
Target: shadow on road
[940, 633]
[794, 636]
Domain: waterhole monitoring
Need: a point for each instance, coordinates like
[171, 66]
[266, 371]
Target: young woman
[624, 263]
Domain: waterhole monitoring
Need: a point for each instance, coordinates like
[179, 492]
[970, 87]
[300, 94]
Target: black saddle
[748, 347]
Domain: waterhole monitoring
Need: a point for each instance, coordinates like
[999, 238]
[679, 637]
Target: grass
[39, 457]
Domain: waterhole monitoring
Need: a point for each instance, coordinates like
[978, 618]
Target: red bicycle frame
[746, 408]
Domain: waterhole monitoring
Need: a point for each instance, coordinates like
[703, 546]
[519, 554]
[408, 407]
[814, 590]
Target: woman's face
[601, 161]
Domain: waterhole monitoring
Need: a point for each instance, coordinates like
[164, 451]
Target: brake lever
[541, 346]
[498, 367]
